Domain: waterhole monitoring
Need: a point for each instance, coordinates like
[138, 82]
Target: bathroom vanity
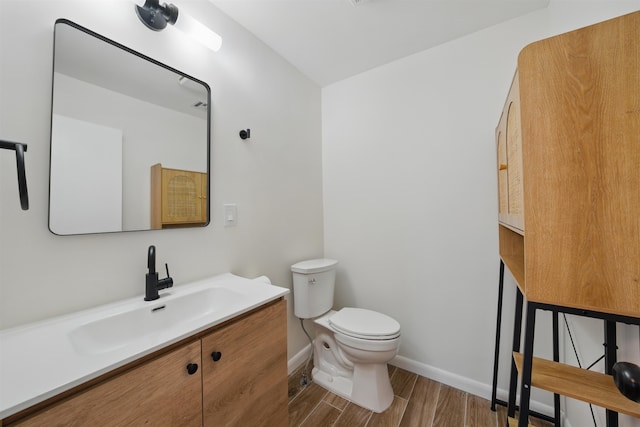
[224, 364]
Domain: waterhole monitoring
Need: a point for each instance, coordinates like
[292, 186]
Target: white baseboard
[461, 383]
[298, 359]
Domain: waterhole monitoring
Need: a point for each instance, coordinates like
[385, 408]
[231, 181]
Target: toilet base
[373, 390]
[338, 385]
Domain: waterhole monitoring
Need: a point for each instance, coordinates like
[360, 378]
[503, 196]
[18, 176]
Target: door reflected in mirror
[115, 114]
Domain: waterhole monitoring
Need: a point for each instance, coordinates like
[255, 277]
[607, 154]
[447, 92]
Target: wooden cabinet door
[509, 140]
[503, 182]
[183, 193]
[514, 162]
[247, 384]
[158, 393]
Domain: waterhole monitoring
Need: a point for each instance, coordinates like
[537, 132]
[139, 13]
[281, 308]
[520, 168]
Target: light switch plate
[230, 215]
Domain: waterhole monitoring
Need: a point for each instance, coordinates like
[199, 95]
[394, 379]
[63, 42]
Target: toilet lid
[366, 324]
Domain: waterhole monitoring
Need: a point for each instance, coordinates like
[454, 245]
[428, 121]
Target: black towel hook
[19, 148]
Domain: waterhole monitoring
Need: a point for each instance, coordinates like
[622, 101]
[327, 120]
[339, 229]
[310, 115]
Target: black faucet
[153, 284]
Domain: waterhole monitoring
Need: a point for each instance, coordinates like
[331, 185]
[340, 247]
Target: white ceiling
[86, 57]
[329, 40]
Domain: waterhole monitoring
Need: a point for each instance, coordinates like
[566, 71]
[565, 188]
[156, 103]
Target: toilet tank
[313, 284]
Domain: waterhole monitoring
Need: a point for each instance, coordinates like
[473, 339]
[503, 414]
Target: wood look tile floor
[418, 402]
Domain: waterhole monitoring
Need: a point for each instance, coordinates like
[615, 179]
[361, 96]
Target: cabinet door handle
[192, 368]
[216, 355]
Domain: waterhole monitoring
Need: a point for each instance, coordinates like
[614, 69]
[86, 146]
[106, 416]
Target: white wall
[275, 177]
[86, 177]
[410, 203]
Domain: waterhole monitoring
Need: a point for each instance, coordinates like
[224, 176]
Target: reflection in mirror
[116, 114]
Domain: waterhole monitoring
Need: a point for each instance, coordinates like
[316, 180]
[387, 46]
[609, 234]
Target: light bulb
[198, 31]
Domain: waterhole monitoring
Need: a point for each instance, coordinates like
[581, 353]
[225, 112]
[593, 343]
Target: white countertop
[39, 360]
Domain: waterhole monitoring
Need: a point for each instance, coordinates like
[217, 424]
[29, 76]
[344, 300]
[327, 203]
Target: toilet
[352, 346]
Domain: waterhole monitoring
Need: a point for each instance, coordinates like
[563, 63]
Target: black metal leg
[527, 357]
[497, 348]
[610, 357]
[556, 358]
[517, 330]
[527, 361]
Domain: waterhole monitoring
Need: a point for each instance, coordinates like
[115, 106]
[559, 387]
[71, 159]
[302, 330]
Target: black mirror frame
[155, 62]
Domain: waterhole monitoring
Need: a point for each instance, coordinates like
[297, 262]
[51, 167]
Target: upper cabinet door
[183, 192]
[509, 141]
[178, 197]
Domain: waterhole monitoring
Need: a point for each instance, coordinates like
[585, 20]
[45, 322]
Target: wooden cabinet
[579, 197]
[159, 393]
[572, 239]
[178, 197]
[245, 372]
[246, 384]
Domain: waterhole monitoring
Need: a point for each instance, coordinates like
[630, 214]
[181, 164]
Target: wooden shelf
[512, 253]
[514, 423]
[515, 264]
[581, 384]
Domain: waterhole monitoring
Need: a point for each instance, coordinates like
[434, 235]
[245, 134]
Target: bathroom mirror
[115, 114]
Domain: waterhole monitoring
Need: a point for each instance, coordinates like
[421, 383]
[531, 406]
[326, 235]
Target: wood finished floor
[418, 402]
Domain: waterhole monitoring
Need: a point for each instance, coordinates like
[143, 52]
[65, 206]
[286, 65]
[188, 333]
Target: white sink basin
[82, 346]
[143, 323]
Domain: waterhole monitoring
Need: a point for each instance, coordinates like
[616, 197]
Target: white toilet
[352, 346]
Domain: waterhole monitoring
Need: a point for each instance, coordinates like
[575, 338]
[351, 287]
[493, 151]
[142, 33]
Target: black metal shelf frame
[610, 321]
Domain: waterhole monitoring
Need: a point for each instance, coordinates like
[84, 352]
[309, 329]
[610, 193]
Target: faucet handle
[167, 282]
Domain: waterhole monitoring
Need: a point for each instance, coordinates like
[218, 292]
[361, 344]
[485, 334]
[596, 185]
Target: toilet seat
[365, 324]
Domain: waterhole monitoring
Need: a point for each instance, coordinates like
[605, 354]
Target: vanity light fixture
[156, 16]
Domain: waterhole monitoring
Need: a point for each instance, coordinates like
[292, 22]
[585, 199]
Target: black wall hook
[245, 134]
[22, 177]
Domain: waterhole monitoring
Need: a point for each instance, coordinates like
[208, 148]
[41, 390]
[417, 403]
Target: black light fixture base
[156, 16]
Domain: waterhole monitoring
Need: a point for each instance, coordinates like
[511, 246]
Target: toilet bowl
[352, 346]
[353, 367]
